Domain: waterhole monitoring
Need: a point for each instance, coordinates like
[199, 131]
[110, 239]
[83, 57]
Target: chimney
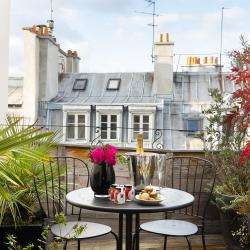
[195, 64]
[163, 66]
[72, 62]
[40, 69]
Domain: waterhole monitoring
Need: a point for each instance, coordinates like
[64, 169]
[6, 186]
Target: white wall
[4, 58]
[31, 76]
[52, 71]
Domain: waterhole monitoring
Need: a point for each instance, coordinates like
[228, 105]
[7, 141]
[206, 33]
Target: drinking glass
[161, 169]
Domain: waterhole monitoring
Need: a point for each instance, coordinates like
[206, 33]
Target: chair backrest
[193, 175]
[55, 179]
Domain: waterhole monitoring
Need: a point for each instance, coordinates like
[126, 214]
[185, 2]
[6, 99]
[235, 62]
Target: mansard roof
[131, 88]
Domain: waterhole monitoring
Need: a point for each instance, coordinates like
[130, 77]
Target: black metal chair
[60, 176]
[196, 176]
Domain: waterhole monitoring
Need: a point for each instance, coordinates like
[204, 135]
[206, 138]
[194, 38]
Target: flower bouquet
[104, 158]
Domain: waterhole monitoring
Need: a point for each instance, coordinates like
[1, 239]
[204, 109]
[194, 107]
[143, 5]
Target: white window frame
[141, 123]
[76, 110]
[140, 110]
[109, 110]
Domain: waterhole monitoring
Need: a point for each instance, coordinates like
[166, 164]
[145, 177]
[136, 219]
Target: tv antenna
[51, 10]
[221, 45]
[51, 21]
[151, 3]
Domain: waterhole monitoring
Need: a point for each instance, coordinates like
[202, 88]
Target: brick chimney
[163, 67]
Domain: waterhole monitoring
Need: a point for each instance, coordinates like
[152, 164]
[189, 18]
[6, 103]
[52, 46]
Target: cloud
[110, 36]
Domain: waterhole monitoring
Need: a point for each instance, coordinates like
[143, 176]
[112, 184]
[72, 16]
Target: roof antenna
[221, 46]
[51, 21]
[153, 24]
[51, 9]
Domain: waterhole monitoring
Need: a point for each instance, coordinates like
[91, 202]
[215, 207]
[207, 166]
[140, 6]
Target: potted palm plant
[22, 149]
[228, 147]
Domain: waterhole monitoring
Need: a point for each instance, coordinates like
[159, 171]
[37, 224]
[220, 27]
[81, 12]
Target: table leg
[129, 220]
[120, 235]
[137, 226]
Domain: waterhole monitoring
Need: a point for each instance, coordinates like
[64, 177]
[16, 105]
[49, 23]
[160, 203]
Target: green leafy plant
[23, 150]
[55, 244]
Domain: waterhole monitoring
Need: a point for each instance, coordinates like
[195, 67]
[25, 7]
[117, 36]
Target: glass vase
[102, 177]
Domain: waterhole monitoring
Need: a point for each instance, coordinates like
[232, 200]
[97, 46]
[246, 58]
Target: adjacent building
[114, 107]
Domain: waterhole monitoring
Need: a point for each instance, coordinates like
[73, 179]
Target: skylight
[80, 84]
[114, 84]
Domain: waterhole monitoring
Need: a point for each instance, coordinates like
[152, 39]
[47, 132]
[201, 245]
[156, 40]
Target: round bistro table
[84, 198]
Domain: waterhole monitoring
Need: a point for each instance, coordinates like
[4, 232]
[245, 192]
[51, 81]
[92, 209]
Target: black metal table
[84, 198]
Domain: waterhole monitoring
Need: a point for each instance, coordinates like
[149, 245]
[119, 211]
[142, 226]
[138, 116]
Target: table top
[84, 198]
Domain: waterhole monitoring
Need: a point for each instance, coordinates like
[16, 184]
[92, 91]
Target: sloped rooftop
[134, 88]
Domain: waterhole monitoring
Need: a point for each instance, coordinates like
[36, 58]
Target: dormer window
[80, 84]
[114, 84]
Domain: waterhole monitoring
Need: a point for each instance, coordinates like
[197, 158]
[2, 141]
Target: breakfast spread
[149, 194]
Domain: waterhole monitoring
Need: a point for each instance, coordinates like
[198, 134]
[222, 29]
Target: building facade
[114, 107]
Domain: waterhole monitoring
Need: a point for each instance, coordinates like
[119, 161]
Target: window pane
[113, 84]
[145, 127]
[104, 126]
[113, 135]
[70, 132]
[81, 118]
[113, 126]
[136, 118]
[137, 126]
[113, 118]
[104, 135]
[145, 119]
[193, 125]
[145, 135]
[80, 84]
[104, 118]
[70, 118]
[81, 132]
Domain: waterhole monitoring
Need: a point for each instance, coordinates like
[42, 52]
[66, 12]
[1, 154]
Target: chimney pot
[161, 38]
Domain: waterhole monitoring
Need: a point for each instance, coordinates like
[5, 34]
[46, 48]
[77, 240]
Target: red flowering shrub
[106, 154]
[228, 133]
[245, 155]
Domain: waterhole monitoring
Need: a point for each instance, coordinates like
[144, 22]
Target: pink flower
[104, 154]
[97, 155]
[110, 155]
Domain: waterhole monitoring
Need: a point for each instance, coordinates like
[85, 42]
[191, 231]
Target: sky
[111, 36]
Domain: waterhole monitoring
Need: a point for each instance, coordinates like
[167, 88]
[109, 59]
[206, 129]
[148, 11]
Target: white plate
[149, 202]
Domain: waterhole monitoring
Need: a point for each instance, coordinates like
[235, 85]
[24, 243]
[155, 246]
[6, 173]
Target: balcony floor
[149, 242]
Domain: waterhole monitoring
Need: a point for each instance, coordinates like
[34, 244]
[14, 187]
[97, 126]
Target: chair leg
[135, 238]
[78, 244]
[203, 239]
[116, 239]
[189, 243]
[165, 242]
[65, 245]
